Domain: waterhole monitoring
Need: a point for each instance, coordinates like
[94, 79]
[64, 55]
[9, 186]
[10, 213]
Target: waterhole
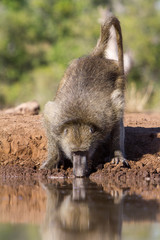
[78, 209]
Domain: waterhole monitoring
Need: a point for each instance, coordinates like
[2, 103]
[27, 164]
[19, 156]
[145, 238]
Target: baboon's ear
[110, 44]
[49, 111]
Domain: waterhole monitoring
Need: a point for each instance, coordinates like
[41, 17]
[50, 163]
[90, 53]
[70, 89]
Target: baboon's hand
[117, 160]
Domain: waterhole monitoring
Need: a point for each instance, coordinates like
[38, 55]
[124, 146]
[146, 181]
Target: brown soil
[23, 149]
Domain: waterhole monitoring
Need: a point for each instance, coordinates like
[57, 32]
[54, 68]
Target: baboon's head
[78, 142]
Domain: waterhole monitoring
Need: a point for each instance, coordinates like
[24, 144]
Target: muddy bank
[23, 149]
[22, 140]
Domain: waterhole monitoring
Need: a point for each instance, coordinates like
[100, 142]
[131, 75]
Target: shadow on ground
[140, 141]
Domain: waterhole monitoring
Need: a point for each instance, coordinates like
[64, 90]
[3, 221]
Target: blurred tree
[142, 18]
[141, 27]
[38, 38]
[35, 34]
[14, 5]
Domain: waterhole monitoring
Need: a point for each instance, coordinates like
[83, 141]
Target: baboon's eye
[65, 131]
[92, 129]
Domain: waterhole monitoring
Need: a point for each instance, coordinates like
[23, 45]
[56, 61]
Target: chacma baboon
[88, 107]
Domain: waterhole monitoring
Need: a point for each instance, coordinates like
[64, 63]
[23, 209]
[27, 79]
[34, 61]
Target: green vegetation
[39, 38]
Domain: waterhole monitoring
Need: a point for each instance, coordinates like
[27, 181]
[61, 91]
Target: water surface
[78, 209]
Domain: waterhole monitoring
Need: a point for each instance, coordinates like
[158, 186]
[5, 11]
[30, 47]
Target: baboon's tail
[104, 38]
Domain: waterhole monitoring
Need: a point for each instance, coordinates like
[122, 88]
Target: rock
[31, 108]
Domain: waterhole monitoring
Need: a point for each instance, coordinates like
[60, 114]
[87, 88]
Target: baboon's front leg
[117, 144]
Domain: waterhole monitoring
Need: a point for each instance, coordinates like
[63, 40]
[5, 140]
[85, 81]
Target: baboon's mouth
[79, 160]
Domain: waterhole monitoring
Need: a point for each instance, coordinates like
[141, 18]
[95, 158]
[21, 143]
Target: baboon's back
[88, 84]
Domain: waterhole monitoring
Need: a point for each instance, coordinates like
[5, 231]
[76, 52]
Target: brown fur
[88, 107]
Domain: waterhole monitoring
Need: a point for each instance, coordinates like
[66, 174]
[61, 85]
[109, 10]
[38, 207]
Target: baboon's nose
[79, 163]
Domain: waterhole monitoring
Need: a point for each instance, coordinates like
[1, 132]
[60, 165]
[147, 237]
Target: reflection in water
[79, 209]
[82, 212]
[19, 232]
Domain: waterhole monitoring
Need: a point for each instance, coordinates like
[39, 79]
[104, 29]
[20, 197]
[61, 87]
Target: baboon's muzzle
[79, 160]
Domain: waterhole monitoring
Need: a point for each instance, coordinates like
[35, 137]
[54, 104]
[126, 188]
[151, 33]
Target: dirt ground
[23, 149]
